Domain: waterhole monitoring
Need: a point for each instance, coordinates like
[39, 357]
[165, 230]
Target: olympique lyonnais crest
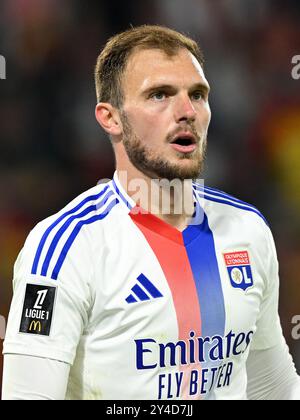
[239, 269]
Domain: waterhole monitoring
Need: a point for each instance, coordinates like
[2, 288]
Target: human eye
[198, 95]
[158, 96]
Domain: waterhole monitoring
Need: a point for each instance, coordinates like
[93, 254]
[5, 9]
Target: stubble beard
[156, 167]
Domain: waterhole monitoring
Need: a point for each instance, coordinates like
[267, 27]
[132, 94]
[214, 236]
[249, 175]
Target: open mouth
[184, 143]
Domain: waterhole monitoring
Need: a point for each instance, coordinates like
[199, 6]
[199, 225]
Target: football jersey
[141, 310]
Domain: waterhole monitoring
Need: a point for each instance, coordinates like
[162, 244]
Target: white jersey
[141, 310]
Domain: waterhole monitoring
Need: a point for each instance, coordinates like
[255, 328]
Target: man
[122, 296]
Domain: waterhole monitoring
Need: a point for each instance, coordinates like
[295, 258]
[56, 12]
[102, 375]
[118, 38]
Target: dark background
[51, 147]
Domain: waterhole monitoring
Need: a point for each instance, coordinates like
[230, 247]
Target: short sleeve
[48, 316]
[269, 331]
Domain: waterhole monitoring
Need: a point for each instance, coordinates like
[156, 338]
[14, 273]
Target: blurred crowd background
[51, 147]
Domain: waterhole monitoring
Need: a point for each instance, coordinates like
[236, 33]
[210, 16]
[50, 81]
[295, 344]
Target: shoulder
[62, 235]
[221, 202]
[234, 222]
[231, 217]
[88, 204]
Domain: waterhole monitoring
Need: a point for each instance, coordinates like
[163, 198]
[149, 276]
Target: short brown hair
[113, 59]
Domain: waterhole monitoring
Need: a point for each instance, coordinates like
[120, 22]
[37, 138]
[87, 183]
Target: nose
[184, 109]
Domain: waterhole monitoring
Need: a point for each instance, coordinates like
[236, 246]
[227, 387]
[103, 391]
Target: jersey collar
[122, 194]
[159, 226]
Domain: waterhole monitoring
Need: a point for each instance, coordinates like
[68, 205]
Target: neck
[171, 201]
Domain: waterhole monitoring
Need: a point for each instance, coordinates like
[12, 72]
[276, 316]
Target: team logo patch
[38, 309]
[239, 269]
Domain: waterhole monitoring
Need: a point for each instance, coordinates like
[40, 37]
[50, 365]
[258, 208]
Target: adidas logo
[143, 290]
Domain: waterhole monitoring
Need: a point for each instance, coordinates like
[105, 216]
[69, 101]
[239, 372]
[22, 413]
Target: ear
[108, 117]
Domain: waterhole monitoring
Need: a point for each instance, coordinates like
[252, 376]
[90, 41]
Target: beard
[156, 166]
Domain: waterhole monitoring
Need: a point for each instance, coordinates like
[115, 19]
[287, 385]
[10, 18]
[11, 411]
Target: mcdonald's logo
[35, 326]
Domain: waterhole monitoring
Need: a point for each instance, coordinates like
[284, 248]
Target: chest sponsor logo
[239, 269]
[204, 364]
[38, 309]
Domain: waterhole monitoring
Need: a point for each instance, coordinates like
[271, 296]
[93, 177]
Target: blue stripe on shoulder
[121, 195]
[74, 234]
[222, 194]
[54, 224]
[65, 226]
[241, 205]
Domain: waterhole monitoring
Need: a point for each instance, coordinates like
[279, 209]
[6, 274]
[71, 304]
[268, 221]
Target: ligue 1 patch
[239, 269]
[38, 309]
